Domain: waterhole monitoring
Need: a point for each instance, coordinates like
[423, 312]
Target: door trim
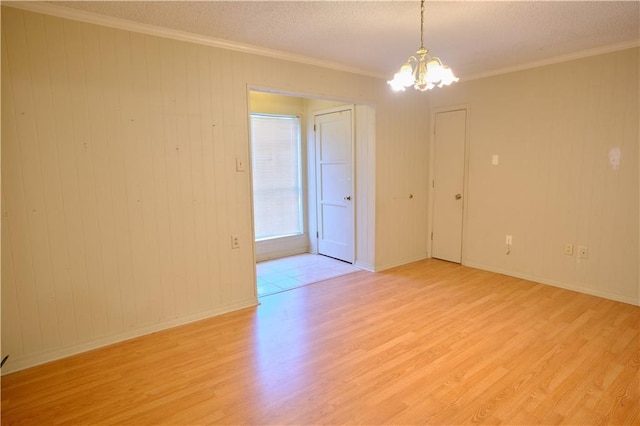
[465, 178]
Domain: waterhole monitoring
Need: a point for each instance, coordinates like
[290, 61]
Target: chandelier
[427, 71]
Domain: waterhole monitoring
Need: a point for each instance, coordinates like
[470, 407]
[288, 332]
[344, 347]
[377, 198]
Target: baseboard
[385, 266]
[16, 364]
[279, 254]
[365, 265]
[540, 280]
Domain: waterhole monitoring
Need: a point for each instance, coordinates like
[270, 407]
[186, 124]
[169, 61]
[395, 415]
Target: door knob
[348, 198]
[458, 196]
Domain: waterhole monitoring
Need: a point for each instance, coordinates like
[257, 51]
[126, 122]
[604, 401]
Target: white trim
[365, 265]
[553, 283]
[555, 60]
[17, 364]
[274, 249]
[398, 263]
[123, 24]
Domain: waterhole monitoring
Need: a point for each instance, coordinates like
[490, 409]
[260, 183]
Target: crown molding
[556, 60]
[123, 24]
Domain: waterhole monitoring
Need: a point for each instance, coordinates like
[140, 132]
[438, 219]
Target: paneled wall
[558, 131]
[119, 187]
[401, 180]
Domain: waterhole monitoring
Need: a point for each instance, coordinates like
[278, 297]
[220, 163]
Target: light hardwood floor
[426, 343]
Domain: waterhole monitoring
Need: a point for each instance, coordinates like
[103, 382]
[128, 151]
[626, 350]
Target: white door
[334, 177]
[448, 185]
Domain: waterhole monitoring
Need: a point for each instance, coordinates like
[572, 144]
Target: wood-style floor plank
[426, 343]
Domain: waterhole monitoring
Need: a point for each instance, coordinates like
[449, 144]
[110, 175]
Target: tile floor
[284, 274]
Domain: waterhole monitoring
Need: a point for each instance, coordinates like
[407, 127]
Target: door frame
[465, 177]
[346, 107]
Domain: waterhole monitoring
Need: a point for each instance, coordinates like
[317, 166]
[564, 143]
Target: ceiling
[375, 37]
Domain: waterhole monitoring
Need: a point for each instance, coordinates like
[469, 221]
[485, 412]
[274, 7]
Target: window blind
[277, 175]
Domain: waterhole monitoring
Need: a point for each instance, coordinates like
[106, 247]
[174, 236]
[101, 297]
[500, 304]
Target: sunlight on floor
[283, 274]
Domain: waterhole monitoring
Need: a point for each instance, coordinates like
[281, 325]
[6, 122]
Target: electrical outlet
[568, 249]
[583, 252]
[240, 165]
[235, 242]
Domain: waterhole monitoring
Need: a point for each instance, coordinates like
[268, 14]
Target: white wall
[401, 171]
[119, 188]
[553, 128]
[365, 141]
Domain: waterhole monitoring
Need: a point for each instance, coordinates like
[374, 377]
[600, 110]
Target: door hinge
[317, 234]
[432, 236]
[314, 127]
[433, 183]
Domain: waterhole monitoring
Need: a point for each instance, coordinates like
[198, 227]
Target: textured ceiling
[474, 38]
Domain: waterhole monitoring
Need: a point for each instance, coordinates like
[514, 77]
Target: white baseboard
[279, 254]
[365, 265]
[16, 364]
[399, 263]
[540, 280]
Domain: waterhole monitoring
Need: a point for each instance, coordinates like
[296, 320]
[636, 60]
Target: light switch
[495, 159]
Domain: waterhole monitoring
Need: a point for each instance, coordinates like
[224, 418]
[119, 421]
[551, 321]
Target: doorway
[362, 179]
[450, 133]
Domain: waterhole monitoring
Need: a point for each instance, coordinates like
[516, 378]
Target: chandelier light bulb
[406, 75]
[395, 83]
[447, 77]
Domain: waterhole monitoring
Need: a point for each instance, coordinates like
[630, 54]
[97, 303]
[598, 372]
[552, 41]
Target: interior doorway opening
[304, 108]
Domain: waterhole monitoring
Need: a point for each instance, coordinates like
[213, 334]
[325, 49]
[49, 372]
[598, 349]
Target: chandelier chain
[422, 24]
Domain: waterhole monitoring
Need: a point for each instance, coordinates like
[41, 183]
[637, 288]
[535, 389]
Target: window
[277, 176]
